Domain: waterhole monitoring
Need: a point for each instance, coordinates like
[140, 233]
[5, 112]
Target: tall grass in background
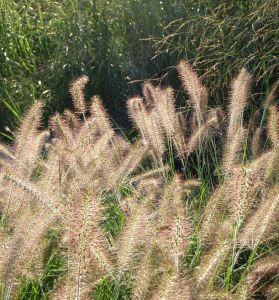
[220, 37]
[46, 44]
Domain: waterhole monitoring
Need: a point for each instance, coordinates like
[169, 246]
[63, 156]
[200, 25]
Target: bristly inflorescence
[165, 242]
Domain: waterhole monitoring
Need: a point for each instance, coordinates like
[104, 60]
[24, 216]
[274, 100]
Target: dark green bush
[46, 44]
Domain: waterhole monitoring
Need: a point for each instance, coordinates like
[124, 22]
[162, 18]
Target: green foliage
[220, 37]
[114, 218]
[40, 288]
[108, 290]
[47, 44]
[54, 265]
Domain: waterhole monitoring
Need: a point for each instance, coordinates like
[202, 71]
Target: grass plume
[130, 221]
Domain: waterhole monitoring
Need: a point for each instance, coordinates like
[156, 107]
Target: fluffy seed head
[77, 92]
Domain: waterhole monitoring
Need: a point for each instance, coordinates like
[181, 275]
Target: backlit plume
[139, 218]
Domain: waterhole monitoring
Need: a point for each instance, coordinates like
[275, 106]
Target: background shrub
[119, 43]
[46, 44]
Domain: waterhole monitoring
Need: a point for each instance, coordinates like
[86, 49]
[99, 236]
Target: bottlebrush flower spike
[240, 90]
[26, 133]
[254, 232]
[273, 125]
[203, 131]
[271, 97]
[99, 115]
[61, 129]
[77, 92]
[256, 142]
[147, 122]
[261, 276]
[164, 105]
[197, 92]
[72, 120]
[211, 263]
[6, 155]
[136, 232]
[173, 287]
